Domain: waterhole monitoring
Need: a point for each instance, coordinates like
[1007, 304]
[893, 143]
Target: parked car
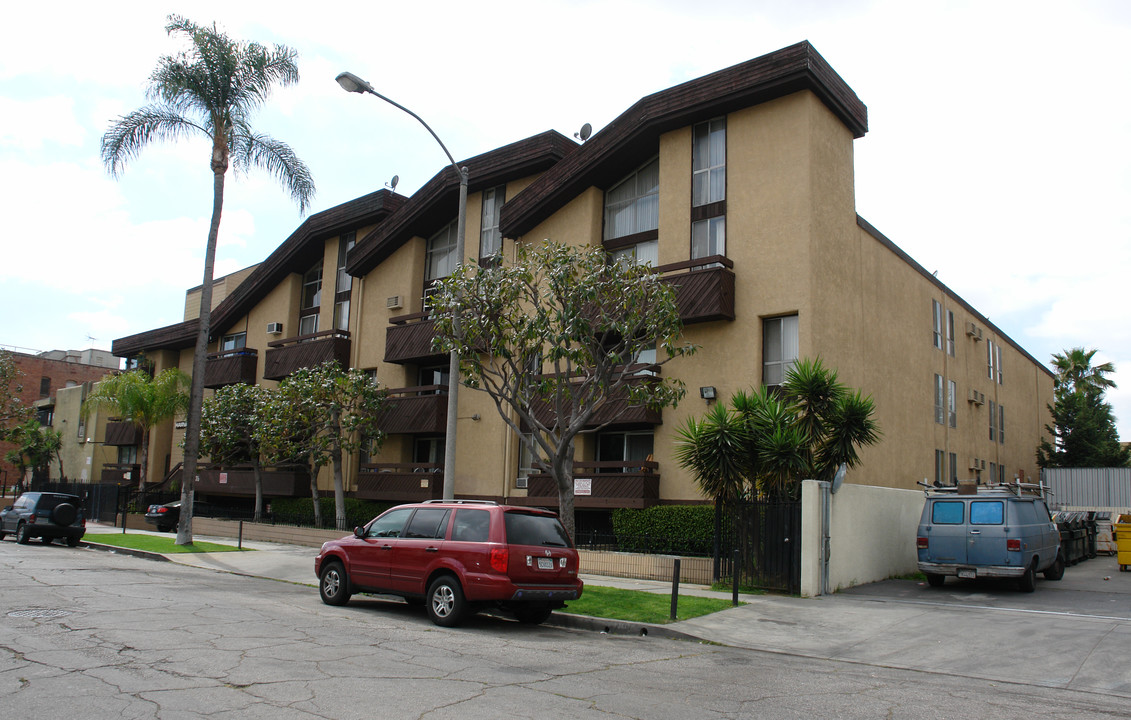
[44, 515]
[456, 557]
[165, 517]
[975, 531]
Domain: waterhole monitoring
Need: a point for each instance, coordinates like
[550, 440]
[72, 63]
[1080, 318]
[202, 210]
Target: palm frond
[131, 133]
[278, 159]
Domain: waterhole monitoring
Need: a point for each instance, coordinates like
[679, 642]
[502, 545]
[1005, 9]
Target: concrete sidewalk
[1051, 638]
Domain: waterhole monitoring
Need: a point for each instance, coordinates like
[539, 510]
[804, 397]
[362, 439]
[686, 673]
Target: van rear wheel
[1028, 581]
[935, 580]
[1056, 570]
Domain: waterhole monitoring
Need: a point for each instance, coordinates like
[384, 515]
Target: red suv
[456, 557]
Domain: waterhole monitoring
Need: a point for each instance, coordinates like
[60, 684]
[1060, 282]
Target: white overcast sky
[997, 151]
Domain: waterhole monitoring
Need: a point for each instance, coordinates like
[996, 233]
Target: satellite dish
[392, 184]
[838, 479]
[584, 133]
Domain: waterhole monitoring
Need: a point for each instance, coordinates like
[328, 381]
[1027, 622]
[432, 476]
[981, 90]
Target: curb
[606, 626]
[124, 551]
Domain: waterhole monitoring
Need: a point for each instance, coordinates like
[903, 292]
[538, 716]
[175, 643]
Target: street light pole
[352, 83]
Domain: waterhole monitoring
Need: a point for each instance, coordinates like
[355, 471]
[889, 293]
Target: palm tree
[211, 90]
[143, 400]
[1074, 372]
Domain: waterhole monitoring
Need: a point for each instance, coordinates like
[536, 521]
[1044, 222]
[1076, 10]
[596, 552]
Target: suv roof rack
[460, 502]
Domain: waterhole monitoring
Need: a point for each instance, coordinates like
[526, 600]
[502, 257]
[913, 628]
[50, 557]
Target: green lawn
[638, 606]
[156, 543]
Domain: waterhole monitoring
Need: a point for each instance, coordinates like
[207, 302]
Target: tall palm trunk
[196, 389]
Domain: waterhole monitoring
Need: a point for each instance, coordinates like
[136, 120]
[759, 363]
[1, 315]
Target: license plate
[545, 563]
[968, 573]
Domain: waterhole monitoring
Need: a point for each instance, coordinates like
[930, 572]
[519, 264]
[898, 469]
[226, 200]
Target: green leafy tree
[316, 416]
[13, 411]
[768, 441]
[1083, 427]
[230, 430]
[36, 447]
[144, 400]
[211, 90]
[554, 337]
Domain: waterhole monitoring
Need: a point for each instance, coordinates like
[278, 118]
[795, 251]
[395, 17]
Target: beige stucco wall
[871, 533]
[83, 453]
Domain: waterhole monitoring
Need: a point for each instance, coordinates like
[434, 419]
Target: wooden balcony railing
[285, 356]
[618, 410]
[627, 484]
[422, 409]
[281, 481]
[705, 291]
[400, 482]
[121, 432]
[121, 474]
[408, 339]
[231, 367]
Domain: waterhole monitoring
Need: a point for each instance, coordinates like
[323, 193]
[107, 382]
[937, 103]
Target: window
[1001, 424]
[624, 446]
[936, 313]
[127, 454]
[644, 253]
[235, 341]
[940, 417]
[428, 450]
[311, 300]
[993, 472]
[940, 467]
[526, 466]
[953, 468]
[993, 420]
[633, 205]
[708, 189]
[779, 348]
[993, 361]
[950, 333]
[952, 403]
[343, 283]
[709, 162]
[471, 525]
[44, 387]
[434, 375]
[390, 524]
[490, 238]
[948, 512]
[428, 523]
[987, 512]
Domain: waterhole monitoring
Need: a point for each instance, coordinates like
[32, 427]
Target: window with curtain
[343, 283]
[779, 348]
[708, 188]
[633, 205]
[490, 238]
[311, 300]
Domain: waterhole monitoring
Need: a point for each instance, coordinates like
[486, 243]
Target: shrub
[669, 529]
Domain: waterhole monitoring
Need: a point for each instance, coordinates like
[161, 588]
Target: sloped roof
[632, 137]
[297, 253]
[434, 205]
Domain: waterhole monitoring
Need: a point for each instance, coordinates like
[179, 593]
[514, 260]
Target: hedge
[300, 511]
[674, 529]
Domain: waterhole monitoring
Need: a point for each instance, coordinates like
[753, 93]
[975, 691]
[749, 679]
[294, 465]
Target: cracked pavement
[143, 639]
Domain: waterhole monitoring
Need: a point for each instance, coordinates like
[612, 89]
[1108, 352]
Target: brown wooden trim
[629, 240]
[696, 263]
[708, 211]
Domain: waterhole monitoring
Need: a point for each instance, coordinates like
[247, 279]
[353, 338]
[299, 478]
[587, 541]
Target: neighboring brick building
[43, 375]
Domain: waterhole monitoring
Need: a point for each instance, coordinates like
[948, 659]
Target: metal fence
[1089, 487]
[760, 541]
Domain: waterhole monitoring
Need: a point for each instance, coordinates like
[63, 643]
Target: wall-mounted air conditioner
[978, 398]
[974, 331]
[274, 328]
[394, 302]
[520, 483]
[974, 464]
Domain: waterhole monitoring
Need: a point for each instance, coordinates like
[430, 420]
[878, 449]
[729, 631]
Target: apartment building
[738, 188]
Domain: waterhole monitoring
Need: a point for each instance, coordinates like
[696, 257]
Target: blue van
[975, 531]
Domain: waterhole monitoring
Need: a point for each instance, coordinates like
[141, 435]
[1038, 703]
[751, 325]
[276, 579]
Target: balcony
[120, 432]
[124, 474]
[706, 291]
[409, 340]
[618, 411]
[230, 367]
[400, 482]
[422, 409]
[290, 481]
[621, 484]
[285, 356]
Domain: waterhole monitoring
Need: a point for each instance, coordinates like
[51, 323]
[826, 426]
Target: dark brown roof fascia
[633, 136]
[899, 252]
[298, 252]
[437, 202]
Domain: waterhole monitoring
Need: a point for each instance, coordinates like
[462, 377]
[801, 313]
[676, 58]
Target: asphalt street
[97, 634]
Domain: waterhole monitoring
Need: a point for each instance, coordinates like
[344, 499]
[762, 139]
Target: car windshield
[527, 529]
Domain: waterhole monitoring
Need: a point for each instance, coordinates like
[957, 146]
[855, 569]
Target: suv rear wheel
[446, 605]
[533, 614]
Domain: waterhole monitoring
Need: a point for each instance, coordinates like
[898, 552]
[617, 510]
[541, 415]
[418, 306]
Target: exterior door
[948, 536]
[986, 531]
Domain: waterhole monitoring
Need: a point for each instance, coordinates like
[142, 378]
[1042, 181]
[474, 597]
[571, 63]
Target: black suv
[44, 515]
